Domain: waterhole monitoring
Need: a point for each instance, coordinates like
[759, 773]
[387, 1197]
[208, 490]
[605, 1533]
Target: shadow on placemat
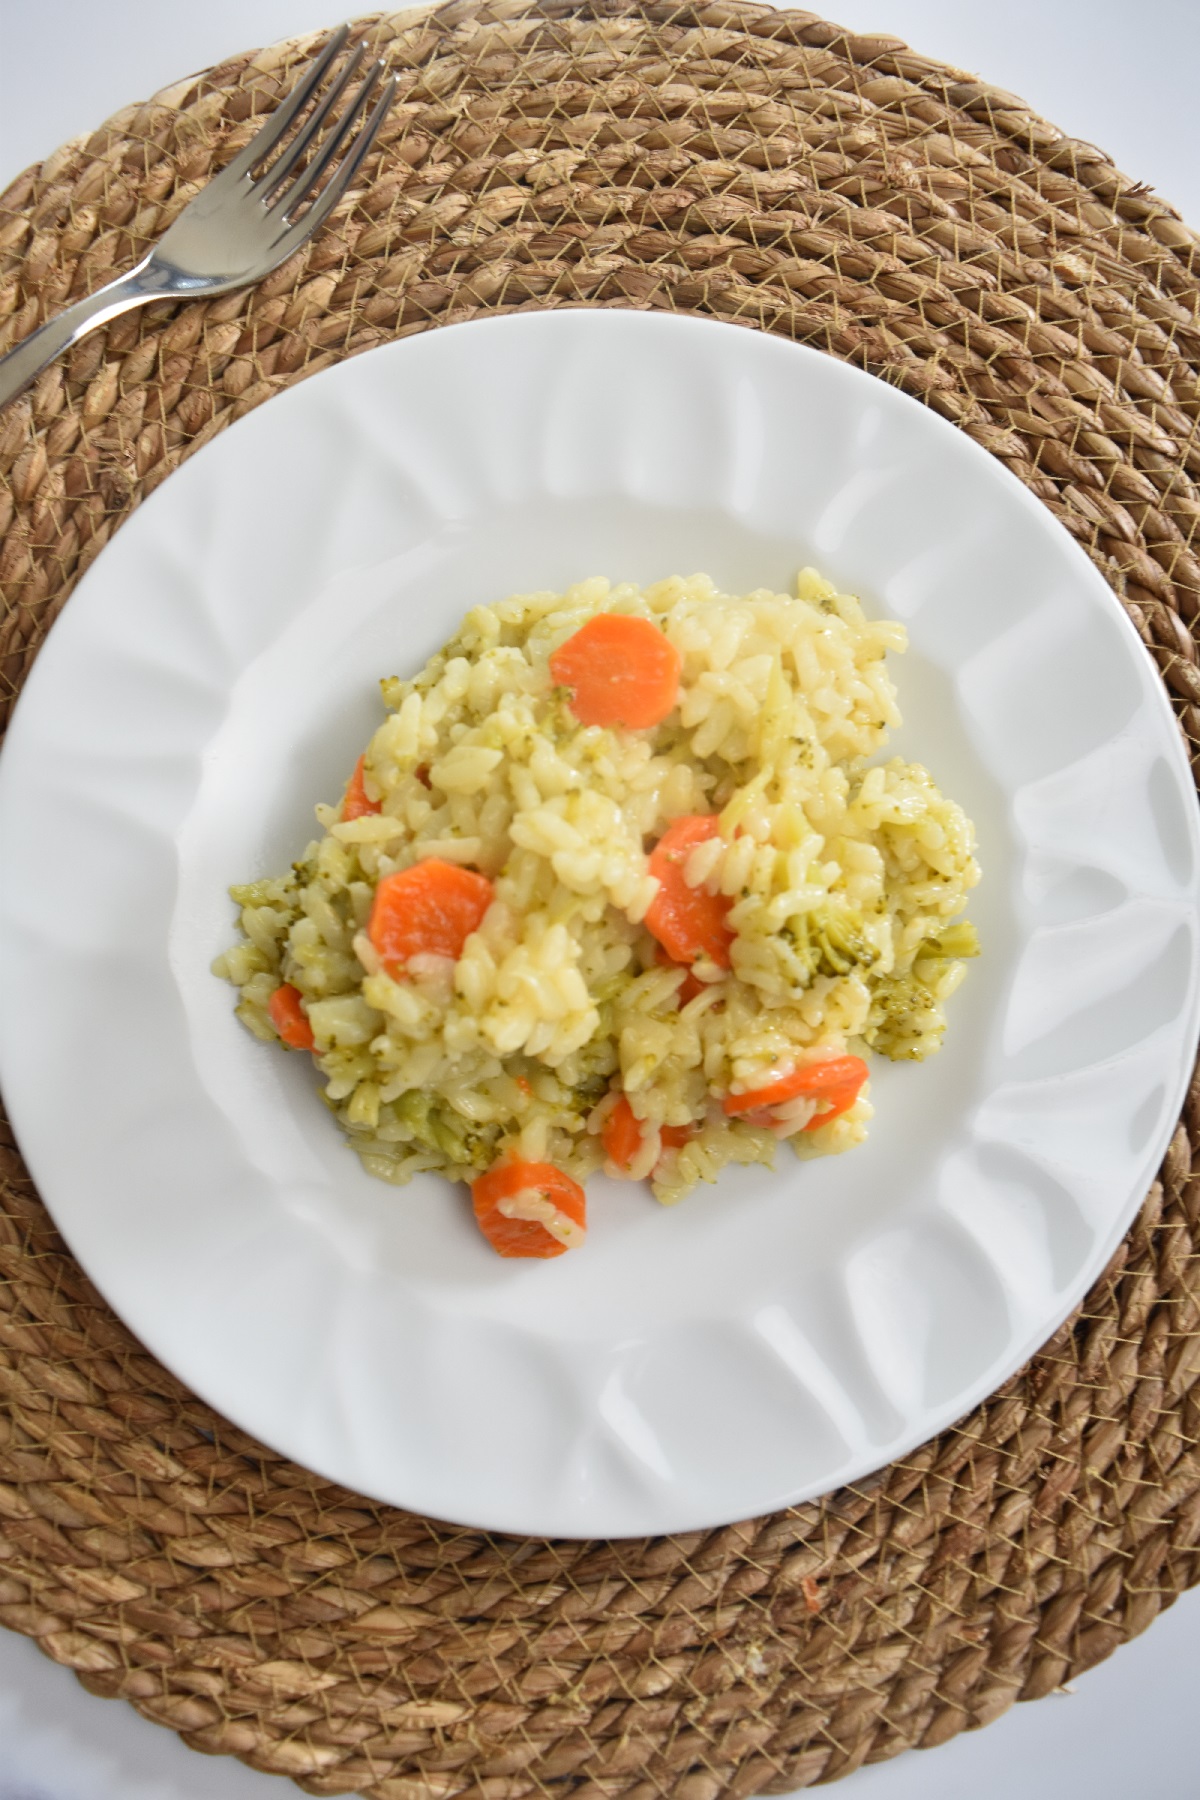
[748, 165]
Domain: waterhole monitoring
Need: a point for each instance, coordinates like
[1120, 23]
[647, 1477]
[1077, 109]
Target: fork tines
[295, 176]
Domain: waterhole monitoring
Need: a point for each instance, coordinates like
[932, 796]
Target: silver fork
[239, 227]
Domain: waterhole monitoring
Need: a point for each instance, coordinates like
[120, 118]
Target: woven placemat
[754, 166]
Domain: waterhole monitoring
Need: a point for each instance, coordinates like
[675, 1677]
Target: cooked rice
[845, 875]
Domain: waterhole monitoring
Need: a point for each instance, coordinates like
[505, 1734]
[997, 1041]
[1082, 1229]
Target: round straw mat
[753, 166]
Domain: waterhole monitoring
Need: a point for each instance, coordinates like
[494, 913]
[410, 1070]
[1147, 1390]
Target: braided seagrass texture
[753, 166]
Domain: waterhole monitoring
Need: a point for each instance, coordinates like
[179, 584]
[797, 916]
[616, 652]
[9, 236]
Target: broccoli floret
[904, 1008]
[829, 940]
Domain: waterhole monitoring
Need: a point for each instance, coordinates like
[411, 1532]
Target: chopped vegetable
[622, 1135]
[427, 1119]
[428, 910]
[690, 986]
[357, 801]
[688, 922]
[289, 1018]
[961, 940]
[622, 669]
[830, 939]
[834, 1082]
[530, 1209]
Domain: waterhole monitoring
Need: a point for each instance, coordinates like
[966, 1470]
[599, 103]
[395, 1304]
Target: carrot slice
[835, 1080]
[688, 922]
[691, 984]
[622, 1135]
[290, 1019]
[428, 910]
[623, 670]
[509, 1199]
[356, 802]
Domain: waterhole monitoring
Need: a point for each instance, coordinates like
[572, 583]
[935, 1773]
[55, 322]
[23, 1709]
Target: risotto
[623, 882]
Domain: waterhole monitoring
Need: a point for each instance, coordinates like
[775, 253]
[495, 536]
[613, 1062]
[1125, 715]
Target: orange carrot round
[835, 1082]
[356, 802]
[522, 1185]
[622, 1135]
[428, 910]
[623, 672]
[688, 922]
[290, 1019]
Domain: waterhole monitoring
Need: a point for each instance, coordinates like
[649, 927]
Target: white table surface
[1118, 75]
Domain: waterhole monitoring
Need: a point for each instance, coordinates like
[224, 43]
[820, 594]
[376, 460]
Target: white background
[1119, 75]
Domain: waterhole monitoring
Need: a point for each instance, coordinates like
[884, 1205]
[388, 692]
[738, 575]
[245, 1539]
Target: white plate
[777, 1334]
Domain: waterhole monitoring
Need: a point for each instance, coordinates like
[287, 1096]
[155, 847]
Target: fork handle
[25, 363]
